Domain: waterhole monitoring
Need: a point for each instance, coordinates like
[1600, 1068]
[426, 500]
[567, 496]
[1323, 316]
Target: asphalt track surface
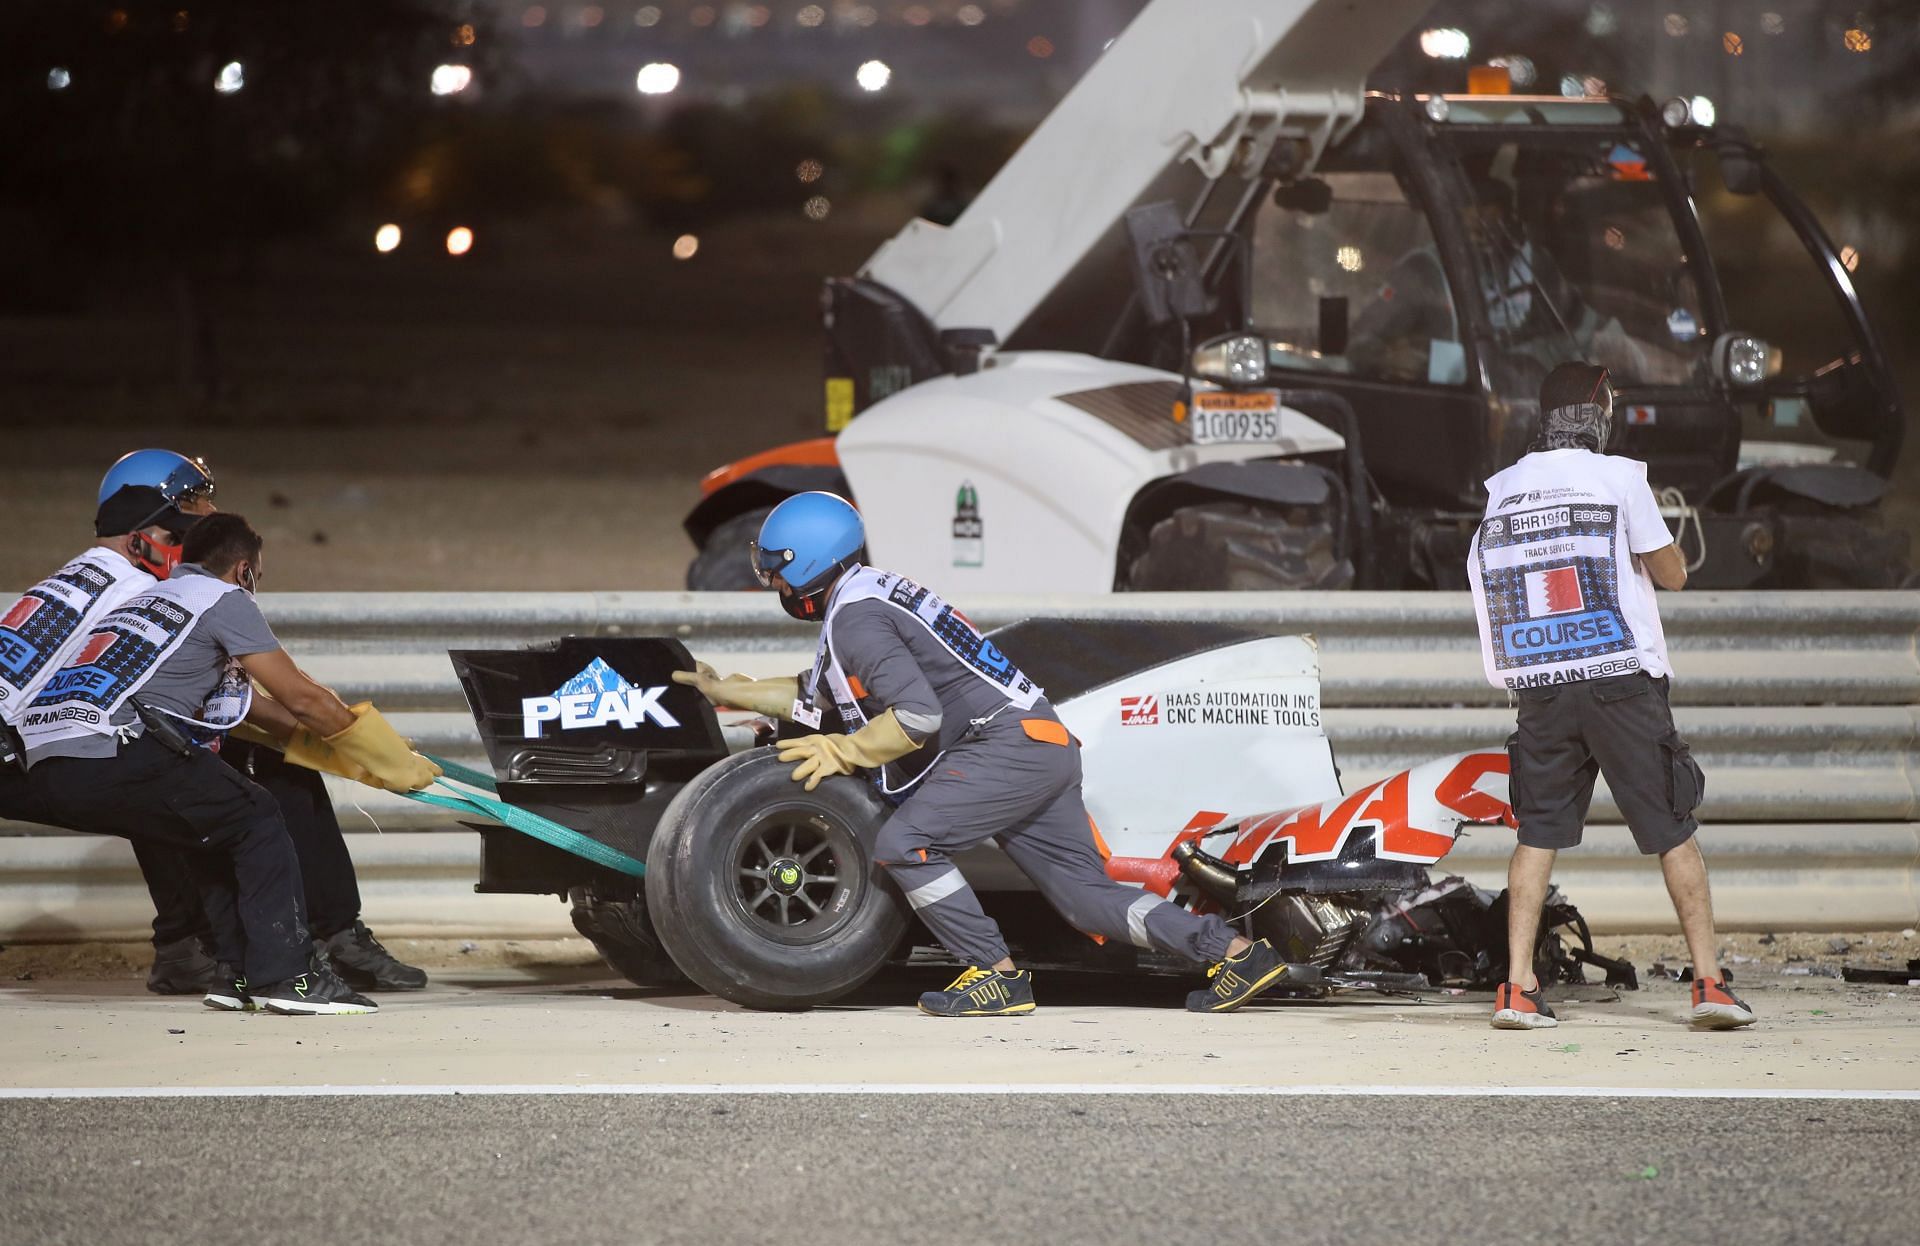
[1063, 1169]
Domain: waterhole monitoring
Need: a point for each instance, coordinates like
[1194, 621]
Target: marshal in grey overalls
[988, 770]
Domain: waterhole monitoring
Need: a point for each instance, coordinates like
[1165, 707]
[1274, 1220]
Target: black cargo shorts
[1620, 727]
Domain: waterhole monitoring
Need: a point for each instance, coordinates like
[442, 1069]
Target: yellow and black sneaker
[1238, 979]
[229, 991]
[982, 993]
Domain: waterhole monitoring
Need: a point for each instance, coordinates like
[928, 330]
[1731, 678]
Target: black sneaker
[982, 993]
[182, 968]
[1238, 979]
[229, 992]
[360, 961]
[315, 993]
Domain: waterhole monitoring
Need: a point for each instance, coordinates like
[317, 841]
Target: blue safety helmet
[180, 479]
[807, 541]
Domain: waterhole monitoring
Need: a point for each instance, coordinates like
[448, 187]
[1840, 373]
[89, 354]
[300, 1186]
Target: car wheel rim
[797, 875]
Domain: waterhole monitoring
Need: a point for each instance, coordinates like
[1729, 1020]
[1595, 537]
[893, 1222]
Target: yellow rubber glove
[373, 744]
[773, 697]
[304, 748]
[875, 744]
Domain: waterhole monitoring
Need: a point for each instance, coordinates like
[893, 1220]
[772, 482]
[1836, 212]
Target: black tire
[723, 564]
[623, 934]
[1240, 546]
[736, 930]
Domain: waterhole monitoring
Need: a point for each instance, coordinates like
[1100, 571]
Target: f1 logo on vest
[593, 698]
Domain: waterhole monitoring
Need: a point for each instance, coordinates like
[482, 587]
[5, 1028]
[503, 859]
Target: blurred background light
[1520, 69]
[657, 78]
[685, 247]
[232, 77]
[1350, 259]
[970, 15]
[873, 76]
[1445, 43]
[809, 170]
[810, 16]
[817, 208]
[58, 79]
[1702, 109]
[646, 15]
[459, 240]
[451, 79]
[1040, 47]
[386, 238]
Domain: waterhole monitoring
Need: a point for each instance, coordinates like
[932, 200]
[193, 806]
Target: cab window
[1347, 279]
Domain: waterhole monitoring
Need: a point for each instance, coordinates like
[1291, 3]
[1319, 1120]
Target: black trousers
[241, 861]
[332, 888]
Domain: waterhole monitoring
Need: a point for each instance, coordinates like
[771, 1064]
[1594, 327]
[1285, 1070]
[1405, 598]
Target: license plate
[1228, 417]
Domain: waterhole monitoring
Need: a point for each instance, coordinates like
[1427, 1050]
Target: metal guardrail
[1800, 706]
[1803, 708]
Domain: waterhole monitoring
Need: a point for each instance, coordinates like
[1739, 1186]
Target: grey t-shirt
[232, 627]
[900, 666]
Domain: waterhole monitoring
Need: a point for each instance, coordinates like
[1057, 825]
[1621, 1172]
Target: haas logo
[1139, 711]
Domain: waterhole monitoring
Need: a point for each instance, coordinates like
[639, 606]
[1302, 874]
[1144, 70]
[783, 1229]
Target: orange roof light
[1489, 80]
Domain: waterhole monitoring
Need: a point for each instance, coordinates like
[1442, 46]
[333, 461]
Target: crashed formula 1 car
[1208, 776]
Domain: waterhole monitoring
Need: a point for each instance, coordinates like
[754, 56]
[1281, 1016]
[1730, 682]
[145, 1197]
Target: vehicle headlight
[1676, 112]
[1238, 359]
[1742, 359]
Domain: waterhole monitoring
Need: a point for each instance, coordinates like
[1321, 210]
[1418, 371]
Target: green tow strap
[546, 830]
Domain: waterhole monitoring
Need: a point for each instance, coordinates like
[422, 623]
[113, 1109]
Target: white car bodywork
[1229, 741]
[1052, 481]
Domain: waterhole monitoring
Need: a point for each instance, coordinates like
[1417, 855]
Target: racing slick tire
[623, 934]
[766, 894]
[723, 564]
[1240, 547]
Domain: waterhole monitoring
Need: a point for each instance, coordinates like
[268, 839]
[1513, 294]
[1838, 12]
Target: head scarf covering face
[1583, 426]
[1586, 422]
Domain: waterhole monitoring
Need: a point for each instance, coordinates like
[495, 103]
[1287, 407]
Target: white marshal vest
[945, 624]
[41, 630]
[1555, 586]
[121, 654]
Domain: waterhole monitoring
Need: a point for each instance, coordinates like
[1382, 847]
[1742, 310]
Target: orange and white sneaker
[1515, 1009]
[1717, 1008]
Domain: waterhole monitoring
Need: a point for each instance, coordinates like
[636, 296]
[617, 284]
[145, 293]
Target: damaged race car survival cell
[1208, 776]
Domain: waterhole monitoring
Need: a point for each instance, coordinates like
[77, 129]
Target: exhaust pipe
[1215, 878]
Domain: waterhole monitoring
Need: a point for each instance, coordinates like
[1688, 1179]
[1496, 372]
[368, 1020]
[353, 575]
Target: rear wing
[589, 710]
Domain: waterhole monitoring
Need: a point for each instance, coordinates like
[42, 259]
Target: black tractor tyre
[1240, 547]
[623, 934]
[723, 564]
[766, 894]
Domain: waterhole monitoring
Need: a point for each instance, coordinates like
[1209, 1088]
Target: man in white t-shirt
[1563, 569]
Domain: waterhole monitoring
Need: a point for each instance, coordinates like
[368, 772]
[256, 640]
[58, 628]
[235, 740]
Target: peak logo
[1139, 711]
[593, 698]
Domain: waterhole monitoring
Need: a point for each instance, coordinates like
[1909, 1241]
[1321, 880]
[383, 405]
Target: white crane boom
[1216, 82]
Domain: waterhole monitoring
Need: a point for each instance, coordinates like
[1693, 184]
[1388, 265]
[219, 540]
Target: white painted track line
[936, 1088]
